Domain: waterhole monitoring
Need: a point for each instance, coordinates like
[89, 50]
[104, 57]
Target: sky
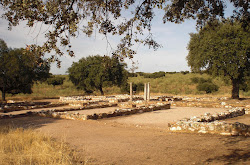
[173, 37]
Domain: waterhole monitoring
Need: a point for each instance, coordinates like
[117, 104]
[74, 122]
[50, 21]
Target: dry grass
[19, 147]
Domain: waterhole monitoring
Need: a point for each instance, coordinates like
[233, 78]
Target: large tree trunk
[3, 95]
[235, 89]
[100, 89]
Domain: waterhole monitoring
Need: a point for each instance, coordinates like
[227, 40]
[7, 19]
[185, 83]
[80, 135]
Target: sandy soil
[242, 119]
[142, 139]
[161, 118]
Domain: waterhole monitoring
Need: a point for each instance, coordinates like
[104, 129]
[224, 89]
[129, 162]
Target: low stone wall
[86, 107]
[94, 99]
[95, 116]
[209, 124]
[65, 113]
[9, 108]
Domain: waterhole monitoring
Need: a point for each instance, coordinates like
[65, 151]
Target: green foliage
[55, 81]
[208, 87]
[195, 80]
[172, 84]
[3, 47]
[132, 74]
[19, 69]
[68, 18]
[184, 72]
[222, 49]
[154, 75]
[41, 90]
[137, 87]
[94, 72]
[200, 80]
[245, 86]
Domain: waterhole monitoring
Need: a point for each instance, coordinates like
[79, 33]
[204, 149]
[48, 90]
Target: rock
[225, 133]
[223, 103]
[173, 129]
[234, 133]
[202, 131]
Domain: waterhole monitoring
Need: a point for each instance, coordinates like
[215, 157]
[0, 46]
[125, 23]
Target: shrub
[55, 81]
[138, 87]
[195, 80]
[155, 75]
[208, 87]
[184, 72]
[200, 80]
[132, 74]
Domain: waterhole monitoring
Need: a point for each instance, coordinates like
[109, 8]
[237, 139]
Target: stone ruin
[132, 104]
[210, 123]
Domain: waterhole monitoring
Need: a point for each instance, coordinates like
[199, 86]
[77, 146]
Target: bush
[138, 87]
[155, 75]
[184, 72]
[55, 81]
[208, 87]
[200, 80]
[245, 86]
[132, 74]
[195, 80]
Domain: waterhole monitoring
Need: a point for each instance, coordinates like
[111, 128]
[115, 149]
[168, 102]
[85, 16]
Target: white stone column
[131, 92]
[145, 91]
[148, 92]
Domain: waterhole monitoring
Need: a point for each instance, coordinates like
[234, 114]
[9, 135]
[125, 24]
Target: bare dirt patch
[142, 138]
[242, 119]
[161, 118]
[110, 142]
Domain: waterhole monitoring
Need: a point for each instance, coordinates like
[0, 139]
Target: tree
[94, 72]
[223, 50]
[19, 69]
[55, 81]
[66, 18]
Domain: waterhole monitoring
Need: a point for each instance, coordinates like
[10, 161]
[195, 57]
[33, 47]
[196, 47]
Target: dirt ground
[142, 139]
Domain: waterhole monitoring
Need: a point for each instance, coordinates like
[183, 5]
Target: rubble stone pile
[209, 123]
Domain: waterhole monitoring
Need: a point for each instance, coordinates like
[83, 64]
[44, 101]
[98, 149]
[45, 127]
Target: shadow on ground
[235, 154]
[234, 157]
[32, 122]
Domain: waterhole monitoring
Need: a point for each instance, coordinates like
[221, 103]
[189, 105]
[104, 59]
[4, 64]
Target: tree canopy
[55, 80]
[95, 72]
[19, 69]
[129, 19]
[223, 49]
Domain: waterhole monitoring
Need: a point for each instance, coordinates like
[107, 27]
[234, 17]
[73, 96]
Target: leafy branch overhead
[129, 19]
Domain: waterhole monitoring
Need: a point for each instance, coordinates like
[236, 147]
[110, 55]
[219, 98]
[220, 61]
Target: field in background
[171, 84]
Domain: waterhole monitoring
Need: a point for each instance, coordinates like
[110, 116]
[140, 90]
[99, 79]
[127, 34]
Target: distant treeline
[155, 74]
